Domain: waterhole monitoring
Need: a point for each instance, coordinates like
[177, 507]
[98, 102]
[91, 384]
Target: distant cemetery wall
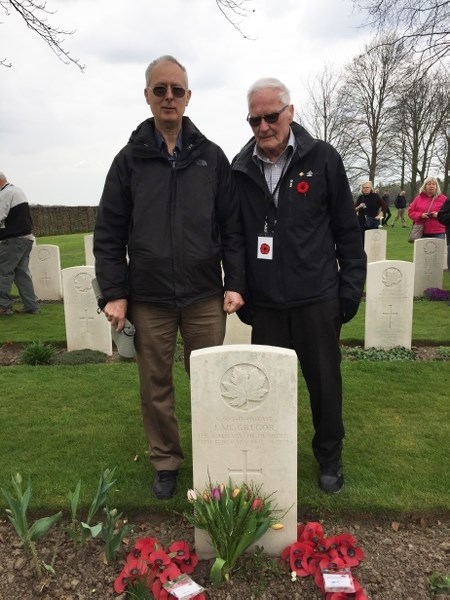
[58, 220]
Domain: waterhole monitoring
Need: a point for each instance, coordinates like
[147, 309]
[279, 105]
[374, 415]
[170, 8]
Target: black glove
[348, 308]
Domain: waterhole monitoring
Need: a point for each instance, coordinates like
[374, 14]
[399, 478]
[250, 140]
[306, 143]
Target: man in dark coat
[170, 204]
[306, 264]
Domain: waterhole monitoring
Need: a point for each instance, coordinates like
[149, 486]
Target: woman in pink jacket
[425, 207]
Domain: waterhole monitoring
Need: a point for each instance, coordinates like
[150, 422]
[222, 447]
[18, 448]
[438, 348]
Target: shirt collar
[162, 144]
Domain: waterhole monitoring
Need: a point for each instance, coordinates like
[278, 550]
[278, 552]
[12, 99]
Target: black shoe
[331, 479]
[164, 484]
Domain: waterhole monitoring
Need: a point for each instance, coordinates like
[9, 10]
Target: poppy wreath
[302, 187]
[313, 551]
[148, 565]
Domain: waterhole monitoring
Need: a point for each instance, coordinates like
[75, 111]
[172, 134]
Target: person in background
[16, 241]
[306, 265]
[170, 203]
[443, 217]
[387, 212]
[400, 205]
[369, 208]
[425, 208]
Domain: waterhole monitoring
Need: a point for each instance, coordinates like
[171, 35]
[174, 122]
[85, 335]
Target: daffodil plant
[234, 518]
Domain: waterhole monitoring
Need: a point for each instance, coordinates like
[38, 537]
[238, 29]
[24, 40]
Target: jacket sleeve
[413, 213]
[444, 214]
[350, 253]
[111, 233]
[230, 226]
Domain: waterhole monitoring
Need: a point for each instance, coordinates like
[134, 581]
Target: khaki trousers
[201, 325]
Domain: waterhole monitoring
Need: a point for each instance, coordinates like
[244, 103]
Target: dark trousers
[201, 325]
[313, 332]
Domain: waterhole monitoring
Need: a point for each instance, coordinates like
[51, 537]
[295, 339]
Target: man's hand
[116, 311]
[232, 302]
[348, 308]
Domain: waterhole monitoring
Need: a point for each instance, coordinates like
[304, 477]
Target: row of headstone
[384, 295]
[430, 254]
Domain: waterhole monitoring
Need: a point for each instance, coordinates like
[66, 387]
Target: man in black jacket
[306, 264]
[169, 201]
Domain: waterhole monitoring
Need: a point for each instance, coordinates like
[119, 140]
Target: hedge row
[58, 220]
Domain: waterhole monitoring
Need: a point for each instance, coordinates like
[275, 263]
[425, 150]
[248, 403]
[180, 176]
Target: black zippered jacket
[317, 247]
[178, 224]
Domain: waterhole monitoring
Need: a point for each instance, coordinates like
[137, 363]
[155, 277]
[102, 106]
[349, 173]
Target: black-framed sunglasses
[269, 119]
[161, 90]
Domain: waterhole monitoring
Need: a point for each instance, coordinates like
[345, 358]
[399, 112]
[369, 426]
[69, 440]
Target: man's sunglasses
[161, 90]
[269, 119]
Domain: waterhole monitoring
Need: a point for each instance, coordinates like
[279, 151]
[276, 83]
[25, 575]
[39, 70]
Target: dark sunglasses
[269, 119]
[161, 90]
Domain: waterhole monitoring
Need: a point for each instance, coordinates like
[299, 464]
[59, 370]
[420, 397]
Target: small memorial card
[183, 587]
[338, 580]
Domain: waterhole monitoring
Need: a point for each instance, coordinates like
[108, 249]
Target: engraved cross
[245, 469]
[390, 314]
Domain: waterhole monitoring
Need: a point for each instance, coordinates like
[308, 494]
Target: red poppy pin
[264, 248]
[302, 187]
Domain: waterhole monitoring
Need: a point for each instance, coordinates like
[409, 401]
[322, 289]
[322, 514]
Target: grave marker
[244, 428]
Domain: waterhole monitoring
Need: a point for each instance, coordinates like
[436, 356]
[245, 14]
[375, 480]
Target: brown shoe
[6, 310]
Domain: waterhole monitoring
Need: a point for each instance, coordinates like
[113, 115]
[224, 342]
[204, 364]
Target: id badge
[265, 247]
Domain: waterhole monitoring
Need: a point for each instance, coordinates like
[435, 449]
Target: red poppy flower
[159, 558]
[301, 553]
[134, 568]
[179, 549]
[312, 532]
[264, 248]
[169, 573]
[144, 546]
[302, 187]
[351, 554]
[336, 596]
[159, 592]
[188, 564]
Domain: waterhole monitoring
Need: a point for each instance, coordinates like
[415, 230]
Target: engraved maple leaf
[245, 385]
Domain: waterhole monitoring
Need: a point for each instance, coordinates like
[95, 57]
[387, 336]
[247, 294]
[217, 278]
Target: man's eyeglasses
[161, 90]
[269, 119]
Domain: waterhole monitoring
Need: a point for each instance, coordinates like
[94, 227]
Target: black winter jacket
[317, 247]
[176, 223]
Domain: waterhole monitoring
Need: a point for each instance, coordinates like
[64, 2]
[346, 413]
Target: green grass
[66, 422]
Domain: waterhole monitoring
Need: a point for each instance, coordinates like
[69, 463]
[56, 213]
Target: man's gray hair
[158, 61]
[270, 83]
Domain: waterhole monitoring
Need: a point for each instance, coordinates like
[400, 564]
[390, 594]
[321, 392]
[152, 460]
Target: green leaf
[42, 526]
[216, 571]
[94, 530]
[73, 500]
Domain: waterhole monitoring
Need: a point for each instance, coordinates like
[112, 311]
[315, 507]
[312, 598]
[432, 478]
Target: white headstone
[45, 267]
[88, 249]
[428, 261]
[85, 328]
[389, 304]
[375, 244]
[244, 428]
[237, 332]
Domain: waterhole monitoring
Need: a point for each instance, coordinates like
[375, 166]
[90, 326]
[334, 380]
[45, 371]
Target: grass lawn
[64, 423]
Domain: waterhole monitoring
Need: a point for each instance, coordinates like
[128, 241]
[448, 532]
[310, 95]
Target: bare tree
[235, 11]
[35, 14]
[368, 98]
[421, 26]
[324, 113]
[422, 109]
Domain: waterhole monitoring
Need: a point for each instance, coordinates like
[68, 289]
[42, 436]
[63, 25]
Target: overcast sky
[60, 128]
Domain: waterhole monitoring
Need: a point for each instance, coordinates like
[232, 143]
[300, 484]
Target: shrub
[375, 354]
[80, 357]
[38, 353]
[443, 353]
